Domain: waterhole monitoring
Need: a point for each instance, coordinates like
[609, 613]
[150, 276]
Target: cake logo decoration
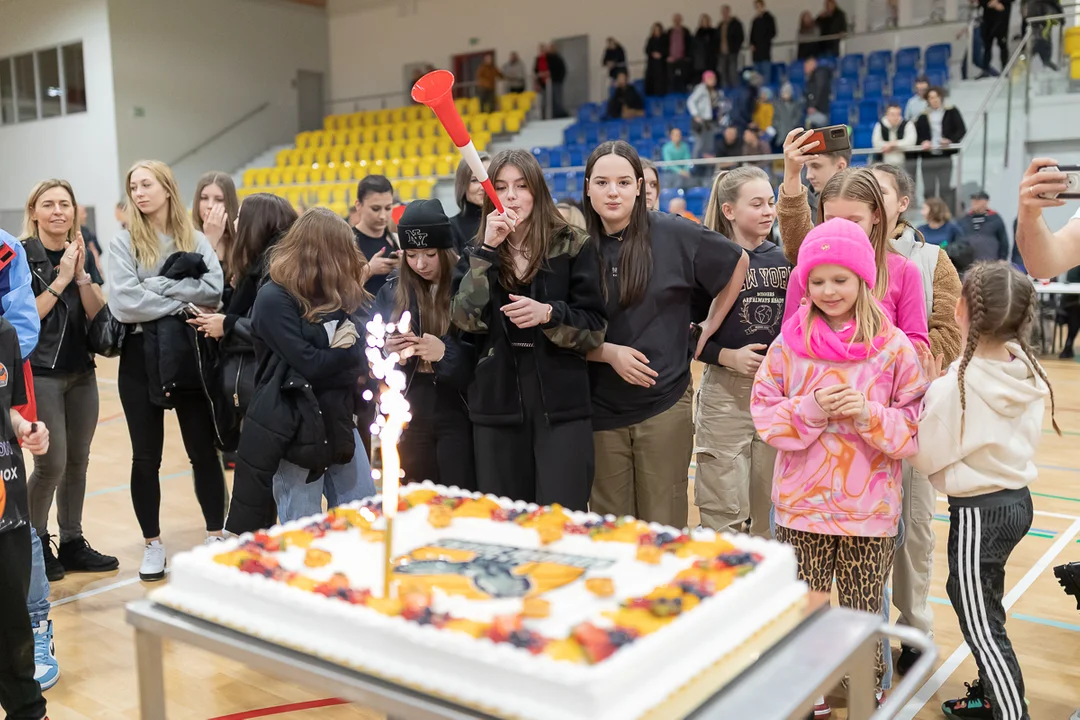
[482, 571]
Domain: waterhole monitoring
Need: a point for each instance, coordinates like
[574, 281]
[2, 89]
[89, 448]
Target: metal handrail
[221, 133]
[388, 95]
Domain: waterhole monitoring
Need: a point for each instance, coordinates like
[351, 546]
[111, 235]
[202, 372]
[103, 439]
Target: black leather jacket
[55, 325]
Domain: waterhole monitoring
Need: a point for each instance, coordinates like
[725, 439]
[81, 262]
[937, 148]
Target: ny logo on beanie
[417, 238]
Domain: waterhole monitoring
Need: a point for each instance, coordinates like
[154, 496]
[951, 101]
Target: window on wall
[43, 84]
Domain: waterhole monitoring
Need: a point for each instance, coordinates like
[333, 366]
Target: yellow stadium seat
[340, 209]
[296, 157]
[380, 151]
[296, 198]
[360, 170]
[323, 195]
[462, 105]
[426, 166]
[262, 177]
[330, 173]
[363, 152]
[282, 157]
[445, 165]
[508, 102]
[384, 133]
[332, 122]
[1072, 41]
[355, 137]
[370, 134]
[397, 115]
[315, 175]
[322, 157]
[425, 189]
[476, 123]
[411, 148]
[409, 166]
[472, 106]
[337, 155]
[429, 146]
[392, 168]
[431, 128]
[382, 117]
[445, 146]
[343, 192]
[303, 140]
[302, 175]
[514, 121]
[308, 159]
[481, 140]
[526, 100]
[406, 190]
[288, 176]
[249, 176]
[273, 177]
[396, 151]
[1074, 68]
[348, 122]
[495, 122]
[348, 154]
[338, 137]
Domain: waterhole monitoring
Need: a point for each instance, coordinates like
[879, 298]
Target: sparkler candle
[391, 417]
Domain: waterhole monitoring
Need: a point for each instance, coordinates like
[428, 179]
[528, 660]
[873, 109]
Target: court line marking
[98, 591]
[939, 678]
[1019, 616]
[282, 709]
[1040, 513]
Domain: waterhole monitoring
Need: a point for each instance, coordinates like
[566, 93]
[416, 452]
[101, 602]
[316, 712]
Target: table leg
[150, 662]
[862, 682]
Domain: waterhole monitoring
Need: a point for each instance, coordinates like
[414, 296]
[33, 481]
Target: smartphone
[695, 335]
[833, 138]
[1072, 180]
[191, 310]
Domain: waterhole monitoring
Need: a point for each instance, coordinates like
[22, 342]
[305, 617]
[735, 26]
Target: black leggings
[146, 426]
[20, 695]
[438, 444]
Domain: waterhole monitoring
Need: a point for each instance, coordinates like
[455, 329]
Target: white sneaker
[1075, 715]
[213, 539]
[153, 562]
[46, 669]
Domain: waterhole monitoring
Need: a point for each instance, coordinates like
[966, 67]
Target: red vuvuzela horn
[436, 91]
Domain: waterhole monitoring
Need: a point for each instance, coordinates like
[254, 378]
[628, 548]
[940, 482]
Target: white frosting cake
[527, 612]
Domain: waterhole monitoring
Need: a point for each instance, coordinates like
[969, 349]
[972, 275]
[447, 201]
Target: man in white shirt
[892, 135]
[917, 104]
[1046, 254]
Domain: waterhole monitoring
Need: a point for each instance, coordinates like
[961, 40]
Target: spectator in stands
[1042, 31]
[994, 29]
[831, 21]
[513, 73]
[764, 111]
[807, 37]
[818, 93]
[678, 50]
[702, 105]
[652, 185]
[788, 114]
[675, 149]
[625, 102]
[916, 104]
[730, 146]
[543, 78]
[614, 59]
[731, 42]
[677, 206]
[655, 61]
[755, 144]
[706, 47]
[762, 32]
[470, 195]
[374, 201]
[939, 228]
[939, 130]
[557, 72]
[984, 230]
[892, 135]
[89, 237]
[487, 80]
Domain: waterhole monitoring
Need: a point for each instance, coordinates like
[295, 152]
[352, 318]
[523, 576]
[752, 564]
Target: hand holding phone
[191, 310]
[1071, 182]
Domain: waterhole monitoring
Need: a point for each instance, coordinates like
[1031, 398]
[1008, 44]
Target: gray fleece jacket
[137, 294]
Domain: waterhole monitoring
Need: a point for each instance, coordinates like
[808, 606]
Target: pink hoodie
[904, 302]
[838, 476]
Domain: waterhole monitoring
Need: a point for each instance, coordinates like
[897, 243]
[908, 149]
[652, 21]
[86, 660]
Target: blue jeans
[296, 498]
[37, 600]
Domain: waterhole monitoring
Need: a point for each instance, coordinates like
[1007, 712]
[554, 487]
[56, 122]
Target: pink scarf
[828, 344]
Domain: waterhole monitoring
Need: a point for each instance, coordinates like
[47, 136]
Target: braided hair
[1009, 317]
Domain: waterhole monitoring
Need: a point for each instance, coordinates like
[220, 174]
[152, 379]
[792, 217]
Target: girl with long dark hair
[531, 292]
[654, 267]
[214, 212]
[469, 194]
[437, 444]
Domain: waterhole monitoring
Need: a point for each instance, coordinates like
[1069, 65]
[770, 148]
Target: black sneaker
[908, 657]
[54, 570]
[975, 705]
[1069, 577]
[78, 556]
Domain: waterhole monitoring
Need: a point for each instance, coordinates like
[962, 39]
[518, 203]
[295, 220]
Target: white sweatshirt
[1002, 428]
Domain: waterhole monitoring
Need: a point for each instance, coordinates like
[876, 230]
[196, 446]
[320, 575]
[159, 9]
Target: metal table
[809, 662]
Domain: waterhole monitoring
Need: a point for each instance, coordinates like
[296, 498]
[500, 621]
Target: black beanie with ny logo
[424, 226]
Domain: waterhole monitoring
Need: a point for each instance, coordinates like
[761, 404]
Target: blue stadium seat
[863, 136]
[658, 129]
[674, 104]
[879, 63]
[860, 160]
[682, 122]
[542, 156]
[873, 87]
[908, 58]
[558, 183]
[696, 199]
[667, 195]
[904, 83]
[639, 85]
[654, 106]
[827, 61]
[590, 112]
[636, 129]
[576, 156]
[796, 73]
[779, 73]
[844, 89]
[556, 158]
[574, 134]
[938, 76]
[937, 56]
[613, 130]
[840, 113]
[573, 185]
[851, 66]
[648, 149]
[869, 111]
[592, 134]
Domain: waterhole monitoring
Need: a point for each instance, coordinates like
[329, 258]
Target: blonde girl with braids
[855, 195]
[158, 229]
[914, 563]
[985, 468]
[733, 483]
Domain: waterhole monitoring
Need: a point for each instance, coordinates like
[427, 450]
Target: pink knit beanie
[838, 242]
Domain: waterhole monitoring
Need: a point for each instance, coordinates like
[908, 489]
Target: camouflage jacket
[569, 281]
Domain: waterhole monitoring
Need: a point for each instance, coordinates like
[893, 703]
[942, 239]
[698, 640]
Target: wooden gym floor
[96, 648]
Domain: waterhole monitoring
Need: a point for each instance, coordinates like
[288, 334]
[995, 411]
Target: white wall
[195, 67]
[80, 148]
